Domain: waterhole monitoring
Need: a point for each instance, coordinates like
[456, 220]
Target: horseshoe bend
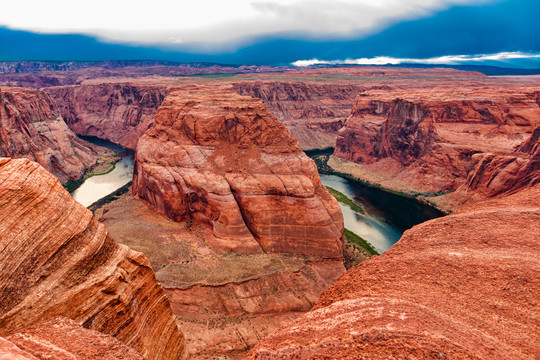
[226, 244]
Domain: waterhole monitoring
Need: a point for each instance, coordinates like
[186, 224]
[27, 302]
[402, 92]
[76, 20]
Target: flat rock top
[463, 286]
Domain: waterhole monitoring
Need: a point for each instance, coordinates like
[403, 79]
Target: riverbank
[106, 163]
[331, 165]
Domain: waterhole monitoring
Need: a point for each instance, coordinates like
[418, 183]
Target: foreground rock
[57, 260]
[219, 158]
[460, 287]
[31, 127]
[62, 338]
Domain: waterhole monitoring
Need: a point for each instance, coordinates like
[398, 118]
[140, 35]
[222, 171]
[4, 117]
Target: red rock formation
[31, 127]
[464, 286]
[220, 158]
[313, 112]
[57, 260]
[62, 338]
[433, 139]
[119, 112]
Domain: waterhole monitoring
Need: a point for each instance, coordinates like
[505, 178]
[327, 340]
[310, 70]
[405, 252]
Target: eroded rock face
[119, 112]
[220, 158]
[31, 127]
[459, 287]
[57, 260]
[62, 338]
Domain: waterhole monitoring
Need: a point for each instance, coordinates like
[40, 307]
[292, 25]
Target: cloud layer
[209, 21]
[440, 60]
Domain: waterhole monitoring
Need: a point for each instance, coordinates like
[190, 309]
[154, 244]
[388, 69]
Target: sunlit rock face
[57, 260]
[219, 158]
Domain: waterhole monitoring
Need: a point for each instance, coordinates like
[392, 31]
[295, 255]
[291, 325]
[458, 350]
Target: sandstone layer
[464, 286]
[119, 112]
[63, 339]
[57, 260]
[246, 297]
[31, 127]
[222, 159]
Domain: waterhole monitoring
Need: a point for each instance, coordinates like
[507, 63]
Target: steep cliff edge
[57, 260]
[119, 112]
[429, 141]
[313, 112]
[461, 287]
[222, 159]
[31, 127]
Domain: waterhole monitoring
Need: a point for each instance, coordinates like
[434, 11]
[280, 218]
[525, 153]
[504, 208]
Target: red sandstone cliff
[431, 140]
[464, 286]
[119, 112]
[57, 260]
[31, 127]
[220, 158]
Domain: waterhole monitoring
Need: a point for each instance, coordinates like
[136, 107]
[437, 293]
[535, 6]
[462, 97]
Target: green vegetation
[72, 185]
[360, 242]
[110, 198]
[342, 198]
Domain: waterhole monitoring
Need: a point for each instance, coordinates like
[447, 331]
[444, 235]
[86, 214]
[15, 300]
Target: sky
[275, 32]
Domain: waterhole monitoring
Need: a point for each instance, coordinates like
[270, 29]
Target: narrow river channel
[99, 186]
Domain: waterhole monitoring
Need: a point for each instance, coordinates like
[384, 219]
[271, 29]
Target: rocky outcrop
[119, 112]
[459, 287]
[432, 140]
[313, 112]
[57, 260]
[219, 158]
[31, 127]
[62, 338]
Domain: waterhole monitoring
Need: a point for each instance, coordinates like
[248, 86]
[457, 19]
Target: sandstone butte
[437, 141]
[57, 260]
[222, 159]
[31, 127]
[464, 286]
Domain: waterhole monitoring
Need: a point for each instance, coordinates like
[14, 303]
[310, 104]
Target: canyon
[243, 238]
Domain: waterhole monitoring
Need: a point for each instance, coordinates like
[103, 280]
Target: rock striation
[31, 127]
[119, 112]
[57, 260]
[222, 159]
[62, 338]
[459, 287]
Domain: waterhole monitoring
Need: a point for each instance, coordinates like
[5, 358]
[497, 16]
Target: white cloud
[211, 21]
[449, 59]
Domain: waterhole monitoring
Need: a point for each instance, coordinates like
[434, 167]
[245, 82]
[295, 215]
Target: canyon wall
[432, 140]
[57, 260]
[31, 127]
[459, 287]
[219, 158]
[119, 112]
[313, 112]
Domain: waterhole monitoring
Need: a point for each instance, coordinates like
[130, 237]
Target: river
[99, 186]
[384, 216]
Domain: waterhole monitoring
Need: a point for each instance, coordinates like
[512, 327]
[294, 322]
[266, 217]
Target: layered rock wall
[57, 260]
[119, 112]
[31, 127]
